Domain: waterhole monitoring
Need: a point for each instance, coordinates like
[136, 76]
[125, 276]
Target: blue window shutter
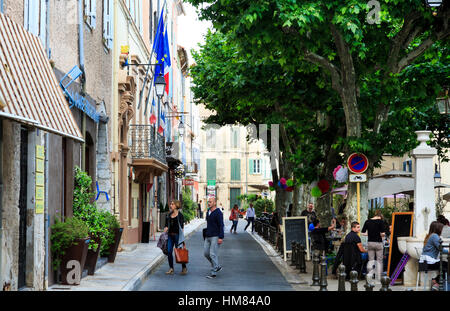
[93, 13]
[43, 23]
[250, 165]
[108, 23]
[410, 166]
[404, 166]
[210, 169]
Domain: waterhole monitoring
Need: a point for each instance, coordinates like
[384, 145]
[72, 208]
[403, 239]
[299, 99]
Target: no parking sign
[357, 163]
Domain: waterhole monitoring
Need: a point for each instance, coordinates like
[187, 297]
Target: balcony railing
[191, 168]
[147, 143]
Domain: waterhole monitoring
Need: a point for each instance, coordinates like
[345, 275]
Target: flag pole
[148, 67]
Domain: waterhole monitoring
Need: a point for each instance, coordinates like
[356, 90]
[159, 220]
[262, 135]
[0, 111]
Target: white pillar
[424, 196]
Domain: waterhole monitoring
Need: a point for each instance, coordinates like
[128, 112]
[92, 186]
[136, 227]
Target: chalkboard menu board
[402, 224]
[295, 229]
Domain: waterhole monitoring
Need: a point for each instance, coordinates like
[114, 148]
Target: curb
[136, 281]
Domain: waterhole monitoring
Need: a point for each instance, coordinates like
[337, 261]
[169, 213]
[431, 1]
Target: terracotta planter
[78, 251]
[92, 256]
[113, 249]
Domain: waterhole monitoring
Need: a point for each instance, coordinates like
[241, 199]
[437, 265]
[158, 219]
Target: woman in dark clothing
[275, 221]
[375, 229]
[174, 227]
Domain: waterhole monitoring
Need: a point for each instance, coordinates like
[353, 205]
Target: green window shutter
[250, 165]
[210, 169]
[235, 169]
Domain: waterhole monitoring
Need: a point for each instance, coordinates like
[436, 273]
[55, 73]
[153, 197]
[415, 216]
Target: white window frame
[90, 13]
[256, 166]
[108, 20]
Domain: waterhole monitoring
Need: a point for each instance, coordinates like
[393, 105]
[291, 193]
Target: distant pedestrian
[174, 227]
[221, 207]
[275, 221]
[200, 209]
[375, 229]
[213, 237]
[234, 217]
[250, 214]
[309, 213]
[289, 210]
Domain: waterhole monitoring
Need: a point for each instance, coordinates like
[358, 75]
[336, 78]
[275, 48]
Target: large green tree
[367, 64]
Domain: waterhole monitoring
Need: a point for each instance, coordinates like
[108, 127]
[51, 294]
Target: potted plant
[88, 212]
[69, 242]
[111, 245]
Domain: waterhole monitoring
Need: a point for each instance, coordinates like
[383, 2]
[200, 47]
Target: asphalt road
[246, 267]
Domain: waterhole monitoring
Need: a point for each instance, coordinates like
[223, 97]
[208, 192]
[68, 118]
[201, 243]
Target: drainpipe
[83, 76]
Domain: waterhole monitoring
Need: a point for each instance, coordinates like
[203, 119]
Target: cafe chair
[423, 271]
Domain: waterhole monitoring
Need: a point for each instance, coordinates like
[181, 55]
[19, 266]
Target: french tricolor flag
[162, 123]
[167, 62]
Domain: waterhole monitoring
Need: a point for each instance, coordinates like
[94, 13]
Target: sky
[191, 30]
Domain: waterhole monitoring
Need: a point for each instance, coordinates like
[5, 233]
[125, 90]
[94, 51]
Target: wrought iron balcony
[146, 143]
[191, 168]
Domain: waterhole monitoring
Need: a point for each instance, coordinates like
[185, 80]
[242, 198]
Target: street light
[160, 85]
[434, 3]
[181, 128]
[443, 104]
[437, 175]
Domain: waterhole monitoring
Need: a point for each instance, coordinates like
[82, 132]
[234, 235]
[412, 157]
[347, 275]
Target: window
[255, 166]
[211, 138]
[108, 19]
[234, 137]
[90, 13]
[1, 6]
[35, 18]
[210, 169]
[135, 8]
[235, 169]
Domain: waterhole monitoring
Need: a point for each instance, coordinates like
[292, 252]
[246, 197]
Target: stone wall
[10, 205]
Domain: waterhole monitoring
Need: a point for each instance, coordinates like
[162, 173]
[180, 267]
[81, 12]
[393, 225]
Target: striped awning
[29, 91]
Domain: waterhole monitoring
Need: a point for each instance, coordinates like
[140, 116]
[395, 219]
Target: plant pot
[113, 249]
[78, 251]
[92, 256]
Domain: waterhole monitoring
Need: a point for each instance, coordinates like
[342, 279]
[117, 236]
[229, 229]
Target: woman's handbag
[181, 254]
[162, 243]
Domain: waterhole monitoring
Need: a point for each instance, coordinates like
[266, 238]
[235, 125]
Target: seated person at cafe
[352, 248]
[318, 238]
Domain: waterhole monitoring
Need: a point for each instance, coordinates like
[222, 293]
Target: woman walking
[375, 231]
[234, 217]
[430, 253]
[174, 227]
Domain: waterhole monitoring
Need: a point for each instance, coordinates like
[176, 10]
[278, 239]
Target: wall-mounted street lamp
[434, 3]
[181, 128]
[443, 104]
[160, 85]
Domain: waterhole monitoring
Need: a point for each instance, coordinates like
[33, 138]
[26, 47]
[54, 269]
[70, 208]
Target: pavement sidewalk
[302, 281]
[130, 269]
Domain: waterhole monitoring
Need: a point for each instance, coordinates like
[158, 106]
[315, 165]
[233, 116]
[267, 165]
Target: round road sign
[357, 163]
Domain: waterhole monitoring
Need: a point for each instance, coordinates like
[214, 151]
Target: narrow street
[246, 267]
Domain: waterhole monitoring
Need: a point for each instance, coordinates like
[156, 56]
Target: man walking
[213, 237]
[250, 213]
